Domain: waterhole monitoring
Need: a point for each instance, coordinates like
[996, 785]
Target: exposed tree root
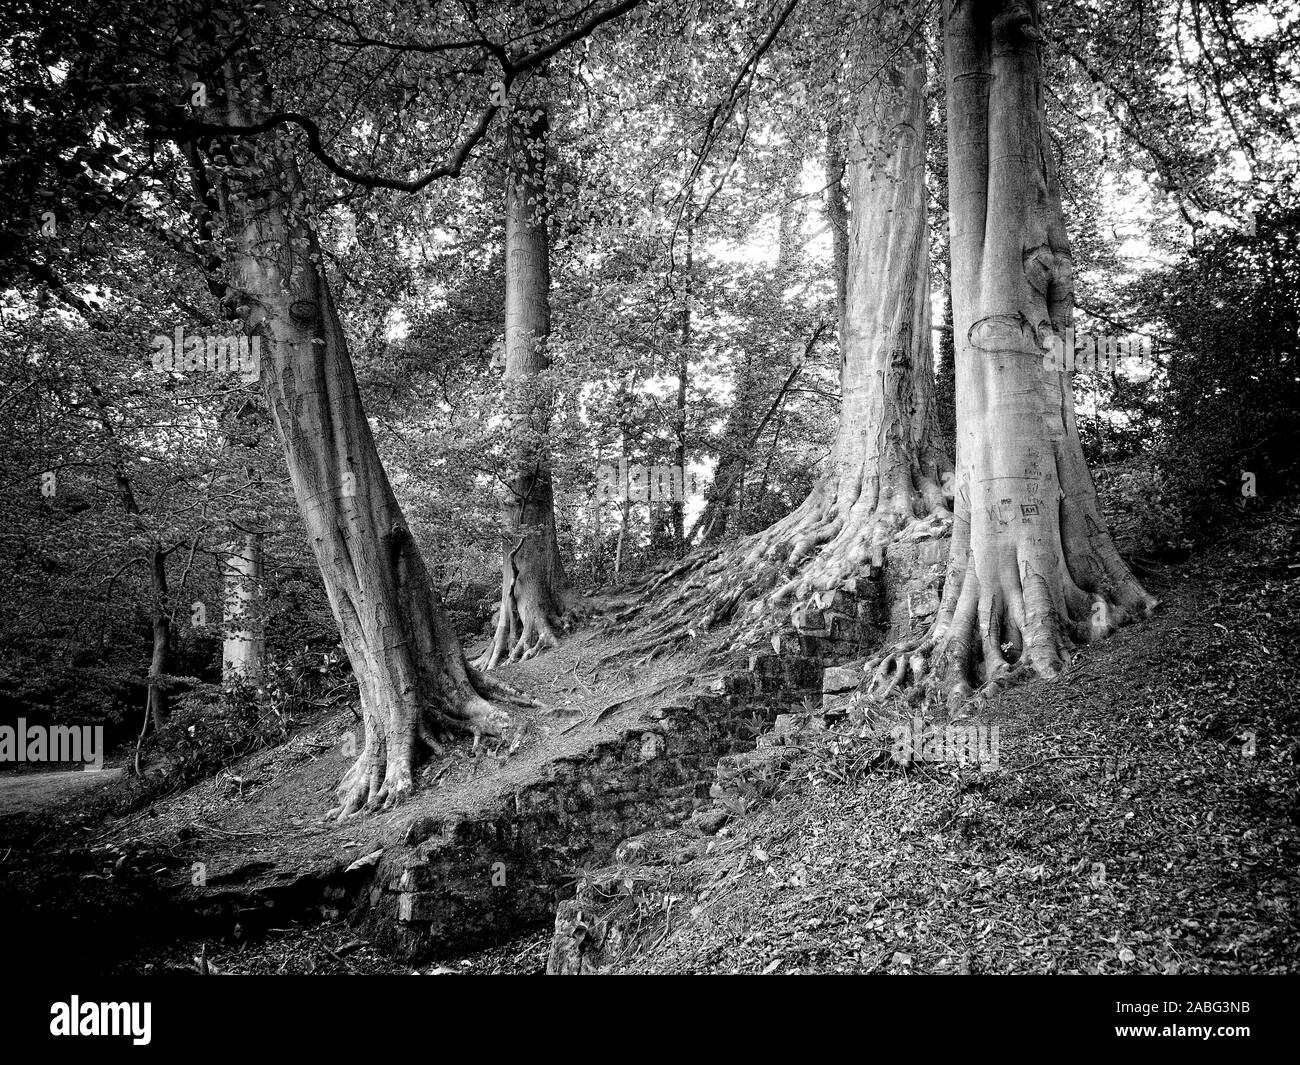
[1026, 617]
[835, 535]
[523, 633]
[840, 532]
[384, 773]
[535, 608]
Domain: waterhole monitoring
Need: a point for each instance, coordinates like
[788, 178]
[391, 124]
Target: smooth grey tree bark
[1033, 569]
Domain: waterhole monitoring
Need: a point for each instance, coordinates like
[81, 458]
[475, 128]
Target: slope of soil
[1131, 825]
[271, 805]
[257, 828]
[1143, 818]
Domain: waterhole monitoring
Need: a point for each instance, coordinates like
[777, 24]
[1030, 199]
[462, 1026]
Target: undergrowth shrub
[213, 725]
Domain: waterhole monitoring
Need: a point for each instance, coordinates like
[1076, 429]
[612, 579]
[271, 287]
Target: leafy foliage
[691, 263]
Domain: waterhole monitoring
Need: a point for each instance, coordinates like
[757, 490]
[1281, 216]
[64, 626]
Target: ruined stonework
[894, 601]
[479, 878]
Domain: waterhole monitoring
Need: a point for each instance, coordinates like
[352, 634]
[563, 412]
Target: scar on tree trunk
[1033, 571]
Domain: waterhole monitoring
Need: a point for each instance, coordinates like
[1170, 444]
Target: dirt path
[39, 792]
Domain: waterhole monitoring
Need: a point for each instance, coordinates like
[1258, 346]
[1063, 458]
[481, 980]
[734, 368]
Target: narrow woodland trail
[36, 793]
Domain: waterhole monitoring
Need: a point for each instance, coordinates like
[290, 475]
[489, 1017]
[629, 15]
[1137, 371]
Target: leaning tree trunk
[1033, 569]
[244, 644]
[534, 597]
[415, 684]
[888, 460]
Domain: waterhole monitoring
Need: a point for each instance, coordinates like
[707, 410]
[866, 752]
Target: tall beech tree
[534, 595]
[889, 465]
[1033, 569]
[416, 686]
[889, 460]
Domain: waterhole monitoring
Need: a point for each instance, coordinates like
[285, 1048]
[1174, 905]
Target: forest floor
[1143, 817]
[82, 874]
